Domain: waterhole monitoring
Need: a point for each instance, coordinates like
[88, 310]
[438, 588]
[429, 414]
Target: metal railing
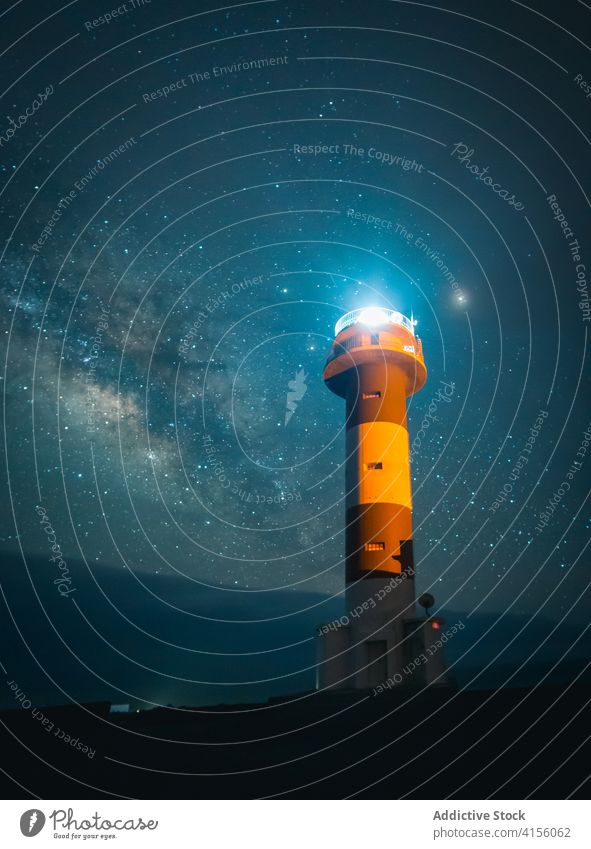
[389, 317]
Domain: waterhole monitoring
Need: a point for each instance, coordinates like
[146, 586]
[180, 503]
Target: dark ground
[508, 743]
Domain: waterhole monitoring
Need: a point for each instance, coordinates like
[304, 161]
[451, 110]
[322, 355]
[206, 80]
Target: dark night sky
[187, 586]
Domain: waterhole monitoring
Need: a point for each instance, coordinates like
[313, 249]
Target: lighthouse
[375, 363]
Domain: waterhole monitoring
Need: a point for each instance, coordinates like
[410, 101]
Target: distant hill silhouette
[196, 628]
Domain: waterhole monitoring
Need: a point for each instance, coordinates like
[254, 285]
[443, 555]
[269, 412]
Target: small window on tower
[367, 395]
[375, 546]
[373, 466]
[375, 338]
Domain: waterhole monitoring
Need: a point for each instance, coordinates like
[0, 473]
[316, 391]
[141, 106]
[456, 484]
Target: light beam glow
[373, 316]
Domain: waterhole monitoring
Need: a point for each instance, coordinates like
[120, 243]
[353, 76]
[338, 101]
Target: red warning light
[435, 625]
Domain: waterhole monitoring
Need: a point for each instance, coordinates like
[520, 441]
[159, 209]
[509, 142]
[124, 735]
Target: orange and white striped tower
[375, 363]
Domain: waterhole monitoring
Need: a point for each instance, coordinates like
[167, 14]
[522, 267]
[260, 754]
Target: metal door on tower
[377, 662]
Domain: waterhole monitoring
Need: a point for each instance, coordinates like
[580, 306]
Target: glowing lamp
[373, 316]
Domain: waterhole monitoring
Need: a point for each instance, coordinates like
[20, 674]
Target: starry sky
[193, 198]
